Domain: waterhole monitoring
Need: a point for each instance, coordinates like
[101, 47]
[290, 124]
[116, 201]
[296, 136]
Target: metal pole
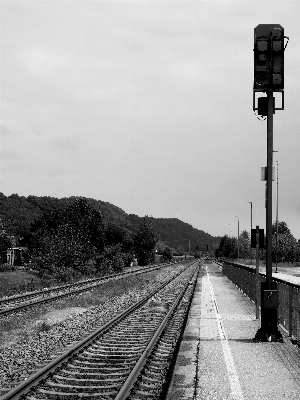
[269, 191]
[269, 293]
[238, 238]
[257, 273]
[277, 220]
[250, 232]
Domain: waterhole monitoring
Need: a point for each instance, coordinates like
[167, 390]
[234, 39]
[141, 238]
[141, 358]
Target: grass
[22, 325]
[14, 281]
[20, 281]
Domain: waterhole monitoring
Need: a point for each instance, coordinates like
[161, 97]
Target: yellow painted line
[236, 390]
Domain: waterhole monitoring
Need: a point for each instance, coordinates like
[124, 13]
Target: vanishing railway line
[21, 302]
[128, 357]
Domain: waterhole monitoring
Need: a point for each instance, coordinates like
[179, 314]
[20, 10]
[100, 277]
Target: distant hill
[18, 212]
[179, 234]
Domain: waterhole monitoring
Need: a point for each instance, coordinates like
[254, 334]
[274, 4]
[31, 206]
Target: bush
[144, 242]
[6, 268]
[113, 260]
[167, 255]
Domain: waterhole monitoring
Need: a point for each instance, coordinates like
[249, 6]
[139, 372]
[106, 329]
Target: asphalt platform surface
[218, 358]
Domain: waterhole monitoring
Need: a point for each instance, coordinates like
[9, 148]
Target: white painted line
[236, 390]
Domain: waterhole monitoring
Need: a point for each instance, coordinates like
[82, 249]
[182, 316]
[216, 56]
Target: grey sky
[147, 105]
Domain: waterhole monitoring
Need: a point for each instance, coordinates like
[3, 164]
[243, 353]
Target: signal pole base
[269, 315]
[266, 336]
[269, 331]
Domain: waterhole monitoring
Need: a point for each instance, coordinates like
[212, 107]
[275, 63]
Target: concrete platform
[218, 358]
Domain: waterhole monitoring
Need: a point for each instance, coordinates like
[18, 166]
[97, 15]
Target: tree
[63, 253]
[227, 247]
[160, 246]
[244, 244]
[87, 222]
[167, 254]
[144, 242]
[62, 243]
[5, 243]
[113, 259]
[282, 228]
[287, 246]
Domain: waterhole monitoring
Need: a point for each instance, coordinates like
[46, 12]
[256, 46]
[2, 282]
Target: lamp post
[250, 232]
[238, 236]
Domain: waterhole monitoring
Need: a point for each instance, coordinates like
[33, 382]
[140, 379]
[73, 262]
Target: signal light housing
[268, 58]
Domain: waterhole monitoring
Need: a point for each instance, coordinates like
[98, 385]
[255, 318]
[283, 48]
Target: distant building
[15, 255]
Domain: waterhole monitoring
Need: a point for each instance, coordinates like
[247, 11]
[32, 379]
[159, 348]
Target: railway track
[21, 302]
[128, 357]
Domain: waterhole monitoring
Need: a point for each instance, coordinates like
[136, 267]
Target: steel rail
[97, 282]
[69, 285]
[130, 381]
[42, 373]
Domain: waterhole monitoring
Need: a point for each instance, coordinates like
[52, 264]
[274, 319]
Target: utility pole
[268, 78]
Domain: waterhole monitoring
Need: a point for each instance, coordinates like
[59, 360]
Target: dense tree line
[75, 235]
[288, 248]
[75, 239]
[19, 212]
[179, 235]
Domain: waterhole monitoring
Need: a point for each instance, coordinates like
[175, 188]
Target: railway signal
[269, 57]
[268, 78]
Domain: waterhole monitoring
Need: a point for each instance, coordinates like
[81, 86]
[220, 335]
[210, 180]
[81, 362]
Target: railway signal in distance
[261, 239]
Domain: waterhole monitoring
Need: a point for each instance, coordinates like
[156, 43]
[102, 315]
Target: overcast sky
[147, 105]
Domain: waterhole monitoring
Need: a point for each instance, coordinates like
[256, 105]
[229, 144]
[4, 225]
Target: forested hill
[179, 234]
[18, 212]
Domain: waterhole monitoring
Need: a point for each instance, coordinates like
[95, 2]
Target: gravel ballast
[31, 339]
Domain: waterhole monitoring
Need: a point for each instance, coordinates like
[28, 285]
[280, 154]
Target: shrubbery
[76, 241]
[167, 255]
[144, 242]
